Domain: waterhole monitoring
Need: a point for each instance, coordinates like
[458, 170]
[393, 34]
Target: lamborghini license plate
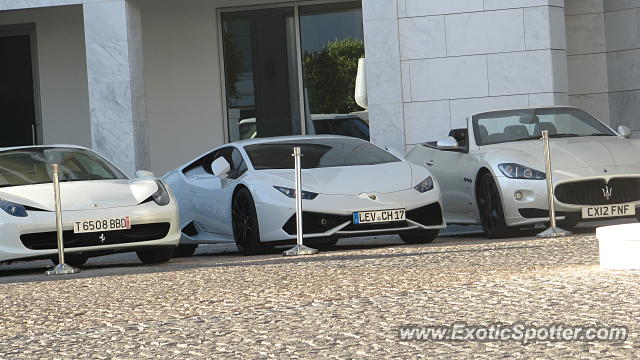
[100, 225]
[379, 216]
[602, 211]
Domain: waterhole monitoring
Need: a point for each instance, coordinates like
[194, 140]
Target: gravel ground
[347, 303]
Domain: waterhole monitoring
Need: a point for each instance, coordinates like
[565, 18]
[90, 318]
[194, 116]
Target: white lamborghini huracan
[103, 211]
[243, 192]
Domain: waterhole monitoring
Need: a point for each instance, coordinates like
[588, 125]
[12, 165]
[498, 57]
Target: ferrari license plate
[602, 211]
[89, 226]
[379, 216]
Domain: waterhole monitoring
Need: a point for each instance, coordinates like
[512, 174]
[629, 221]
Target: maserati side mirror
[448, 143]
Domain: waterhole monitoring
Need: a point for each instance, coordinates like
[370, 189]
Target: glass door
[261, 75]
[332, 42]
[292, 70]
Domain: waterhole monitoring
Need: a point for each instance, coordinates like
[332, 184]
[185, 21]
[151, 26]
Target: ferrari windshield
[317, 153]
[517, 125]
[33, 166]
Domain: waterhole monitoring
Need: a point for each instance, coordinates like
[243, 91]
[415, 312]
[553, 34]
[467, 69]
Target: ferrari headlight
[306, 195]
[13, 209]
[517, 171]
[161, 197]
[425, 185]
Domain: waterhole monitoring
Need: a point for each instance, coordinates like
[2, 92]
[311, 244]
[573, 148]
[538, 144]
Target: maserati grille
[599, 192]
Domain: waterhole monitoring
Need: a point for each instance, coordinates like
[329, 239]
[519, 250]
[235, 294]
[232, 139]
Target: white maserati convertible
[243, 192]
[103, 211]
[492, 173]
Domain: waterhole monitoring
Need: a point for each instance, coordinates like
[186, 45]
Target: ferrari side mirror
[220, 167]
[624, 131]
[448, 143]
[144, 173]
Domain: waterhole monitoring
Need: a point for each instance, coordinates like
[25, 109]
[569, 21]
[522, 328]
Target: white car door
[213, 194]
[454, 171]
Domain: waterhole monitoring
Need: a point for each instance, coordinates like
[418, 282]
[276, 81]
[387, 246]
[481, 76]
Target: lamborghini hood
[347, 180]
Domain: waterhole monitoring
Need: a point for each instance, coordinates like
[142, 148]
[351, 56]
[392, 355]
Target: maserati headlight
[517, 171]
[13, 209]
[161, 197]
[425, 185]
[306, 195]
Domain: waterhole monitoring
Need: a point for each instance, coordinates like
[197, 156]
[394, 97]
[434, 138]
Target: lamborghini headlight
[306, 195]
[13, 209]
[517, 171]
[161, 197]
[425, 185]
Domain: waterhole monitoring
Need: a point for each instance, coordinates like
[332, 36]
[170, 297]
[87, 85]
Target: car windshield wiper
[600, 134]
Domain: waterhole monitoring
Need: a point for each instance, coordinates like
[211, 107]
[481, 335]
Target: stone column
[384, 79]
[113, 41]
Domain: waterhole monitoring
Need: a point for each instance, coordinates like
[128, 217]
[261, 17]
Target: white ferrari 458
[493, 172]
[243, 192]
[103, 211]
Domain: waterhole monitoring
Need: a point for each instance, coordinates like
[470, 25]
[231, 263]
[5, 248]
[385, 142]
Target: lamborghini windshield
[518, 125]
[31, 166]
[317, 153]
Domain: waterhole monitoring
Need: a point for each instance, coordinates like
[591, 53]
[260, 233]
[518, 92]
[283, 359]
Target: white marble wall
[622, 24]
[456, 58]
[587, 57]
[603, 48]
[384, 85]
[116, 87]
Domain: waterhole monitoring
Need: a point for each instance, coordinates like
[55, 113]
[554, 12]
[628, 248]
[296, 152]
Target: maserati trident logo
[102, 238]
[607, 191]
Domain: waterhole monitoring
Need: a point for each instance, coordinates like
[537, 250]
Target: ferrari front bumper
[34, 236]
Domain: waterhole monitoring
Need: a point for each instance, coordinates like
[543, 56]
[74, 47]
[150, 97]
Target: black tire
[419, 237]
[156, 255]
[245, 223]
[184, 251]
[490, 207]
[72, 259]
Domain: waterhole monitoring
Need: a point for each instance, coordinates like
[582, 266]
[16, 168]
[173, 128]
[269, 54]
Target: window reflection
[332, 42]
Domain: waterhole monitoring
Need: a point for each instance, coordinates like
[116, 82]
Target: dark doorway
[261, 73]
[17, 99]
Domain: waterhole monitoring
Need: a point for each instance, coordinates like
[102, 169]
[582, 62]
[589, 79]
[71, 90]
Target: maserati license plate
[89, 226]
[602, 211]
[379, 216]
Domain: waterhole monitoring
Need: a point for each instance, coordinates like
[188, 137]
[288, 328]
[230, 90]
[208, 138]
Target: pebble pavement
[347, 303]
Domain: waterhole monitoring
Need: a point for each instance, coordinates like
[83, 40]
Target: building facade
[152, 84]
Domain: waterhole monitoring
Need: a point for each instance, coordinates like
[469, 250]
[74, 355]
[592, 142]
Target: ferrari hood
[83, 195]
[570, 153]
[348, 180]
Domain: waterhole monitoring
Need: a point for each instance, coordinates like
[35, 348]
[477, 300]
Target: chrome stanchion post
[552, 231]
[61, 268]
[299, 249]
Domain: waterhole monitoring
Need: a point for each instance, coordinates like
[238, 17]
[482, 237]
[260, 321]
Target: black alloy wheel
[490, 206]
[245, 223]
[420, 236]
